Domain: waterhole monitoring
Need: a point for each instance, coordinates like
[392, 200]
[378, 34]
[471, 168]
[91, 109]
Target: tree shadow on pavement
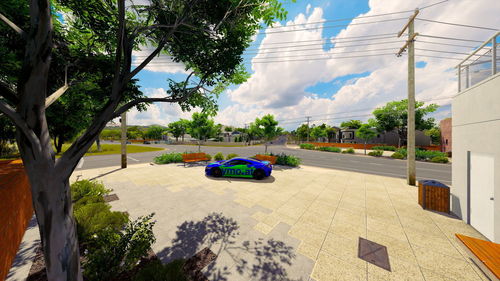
[257, 260]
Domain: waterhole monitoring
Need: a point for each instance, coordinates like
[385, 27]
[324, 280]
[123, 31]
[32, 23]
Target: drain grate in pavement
[373, 253]
[110, 197]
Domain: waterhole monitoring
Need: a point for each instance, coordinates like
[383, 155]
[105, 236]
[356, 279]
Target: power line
[336, 46]
[308, 55]
[380, 36]
[322, 44]
[437, 3]
[445, 44]
[331, 26]
[441, 51]
[449, 38]
[344, 57]
[337, 20]
[438, 57]
[458, 24]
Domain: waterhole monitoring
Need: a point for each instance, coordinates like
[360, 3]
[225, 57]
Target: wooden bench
[194, 157]
[271, 159]
[486, 255]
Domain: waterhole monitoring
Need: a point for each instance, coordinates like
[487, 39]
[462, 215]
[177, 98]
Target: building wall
[445, 126]
[476, 128]
[389, 138]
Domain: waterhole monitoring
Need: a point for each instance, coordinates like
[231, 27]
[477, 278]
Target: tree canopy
[394, 116]
[351, 124]
[178, 128]
[208, 37]
[266, 127]
[366, 133]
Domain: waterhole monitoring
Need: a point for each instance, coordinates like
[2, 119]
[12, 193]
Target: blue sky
[333, 89]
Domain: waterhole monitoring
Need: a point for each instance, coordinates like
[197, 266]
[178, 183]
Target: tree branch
[8, 93]
[58, 93]
[12, 25]
[21, 124]
[135, 102]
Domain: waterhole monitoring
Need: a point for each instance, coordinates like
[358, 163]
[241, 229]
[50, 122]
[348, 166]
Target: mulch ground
[192, 267]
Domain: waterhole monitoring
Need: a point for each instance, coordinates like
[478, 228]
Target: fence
[368, 145]
[481, 64]
[17, 210]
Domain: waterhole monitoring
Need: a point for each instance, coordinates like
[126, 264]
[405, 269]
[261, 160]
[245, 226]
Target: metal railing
[480, 64]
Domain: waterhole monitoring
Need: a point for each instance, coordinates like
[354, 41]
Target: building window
[446, 141]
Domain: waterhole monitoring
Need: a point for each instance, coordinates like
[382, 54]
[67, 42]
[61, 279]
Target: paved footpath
[299, 224]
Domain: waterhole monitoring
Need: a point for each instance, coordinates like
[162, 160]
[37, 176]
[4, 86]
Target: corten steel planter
[433, 195]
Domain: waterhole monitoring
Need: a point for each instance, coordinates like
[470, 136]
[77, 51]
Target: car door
[236, 168]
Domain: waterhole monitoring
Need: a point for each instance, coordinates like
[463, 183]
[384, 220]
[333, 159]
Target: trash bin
[433, 195]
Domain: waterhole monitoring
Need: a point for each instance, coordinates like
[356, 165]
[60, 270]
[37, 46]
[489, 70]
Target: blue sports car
[240, 167]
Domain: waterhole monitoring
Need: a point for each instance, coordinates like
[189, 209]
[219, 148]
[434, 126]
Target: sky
[318, 64]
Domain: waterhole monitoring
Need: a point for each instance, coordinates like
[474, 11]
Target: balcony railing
[480, 64]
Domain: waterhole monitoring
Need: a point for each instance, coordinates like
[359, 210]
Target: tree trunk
[54, 212]
[365, 147]
[266, 149]
[98, 144]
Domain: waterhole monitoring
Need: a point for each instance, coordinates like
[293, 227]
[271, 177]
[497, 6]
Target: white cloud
[280, 88]
[157, 113]
[161, 63]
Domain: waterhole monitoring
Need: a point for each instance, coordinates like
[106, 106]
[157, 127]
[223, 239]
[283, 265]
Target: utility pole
[410, 139]
[123, 121]
[308, 118]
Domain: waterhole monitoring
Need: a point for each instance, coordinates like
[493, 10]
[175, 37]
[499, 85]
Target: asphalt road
[355, 163]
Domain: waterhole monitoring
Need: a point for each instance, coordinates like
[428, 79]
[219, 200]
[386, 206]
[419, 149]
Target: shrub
[93, 218]
[439, 159]
[113, 252]
[376, 153]
[286, 160]
[156, 271]
[348, 150]
[306, 146]
[397, 155]
[329, 148]
[423, 154]
[86, 188]
[168, 158]
[231, 156]
[385, 147]
[219, 156]
[208, 156]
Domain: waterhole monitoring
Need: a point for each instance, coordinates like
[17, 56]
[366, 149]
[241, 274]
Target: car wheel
[258, 174]
[217, 172]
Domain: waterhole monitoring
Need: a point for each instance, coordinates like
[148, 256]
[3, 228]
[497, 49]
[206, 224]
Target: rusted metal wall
[16, 211]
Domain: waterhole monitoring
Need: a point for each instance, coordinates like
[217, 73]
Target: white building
[476, 141]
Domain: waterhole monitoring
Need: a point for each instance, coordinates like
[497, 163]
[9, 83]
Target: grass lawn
[114, 149]
[106, 150]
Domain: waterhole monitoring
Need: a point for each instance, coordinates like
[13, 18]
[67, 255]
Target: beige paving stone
[329, 268]
[347, 230]
[381, 226]
[400, 270]
[395, 247]
[455, 268]
[263, 228]
[343, 248]
[308, 233]
[308, 250]
[316, 219]
[260, 216]
[326, 210]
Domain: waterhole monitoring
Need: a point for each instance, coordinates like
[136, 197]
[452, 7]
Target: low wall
[15, 213]
[368, 145]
